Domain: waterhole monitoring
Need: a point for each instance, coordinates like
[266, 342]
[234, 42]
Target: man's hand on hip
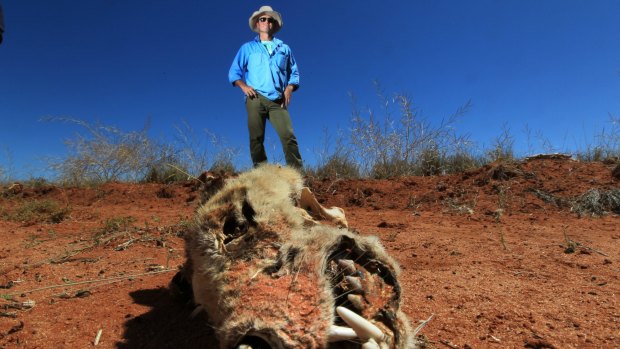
[288, 92]
[248, 91]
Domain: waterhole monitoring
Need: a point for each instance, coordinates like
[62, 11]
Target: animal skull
[268, 277]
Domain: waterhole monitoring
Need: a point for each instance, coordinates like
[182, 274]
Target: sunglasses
[267, 19]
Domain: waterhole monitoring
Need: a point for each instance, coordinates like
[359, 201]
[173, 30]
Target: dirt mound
[498, 256]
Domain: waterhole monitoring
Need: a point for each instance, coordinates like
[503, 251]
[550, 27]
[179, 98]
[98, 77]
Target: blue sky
[552, 65]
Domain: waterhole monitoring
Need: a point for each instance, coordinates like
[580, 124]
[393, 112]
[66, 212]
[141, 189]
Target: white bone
[364, 328]
[371, 344]
[307, 201]
[340, 333]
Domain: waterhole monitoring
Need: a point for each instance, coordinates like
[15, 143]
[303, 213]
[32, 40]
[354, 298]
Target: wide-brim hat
[265, 10]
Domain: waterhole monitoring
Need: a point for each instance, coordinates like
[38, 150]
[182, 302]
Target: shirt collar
[275, 40]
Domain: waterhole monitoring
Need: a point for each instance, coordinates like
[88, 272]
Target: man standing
[266, 71]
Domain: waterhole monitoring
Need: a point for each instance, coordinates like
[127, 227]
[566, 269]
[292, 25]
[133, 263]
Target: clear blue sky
[552, 65]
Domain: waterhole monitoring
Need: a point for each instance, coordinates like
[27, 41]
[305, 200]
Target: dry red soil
[495, 258]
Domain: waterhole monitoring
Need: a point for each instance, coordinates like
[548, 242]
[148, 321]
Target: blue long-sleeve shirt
[267, 74]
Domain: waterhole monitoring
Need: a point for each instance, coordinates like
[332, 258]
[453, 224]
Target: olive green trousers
[260, 110]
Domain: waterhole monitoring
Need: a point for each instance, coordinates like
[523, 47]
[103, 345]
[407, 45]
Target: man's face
[265, 23]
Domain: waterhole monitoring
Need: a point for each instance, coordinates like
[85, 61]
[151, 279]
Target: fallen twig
[124, 245]
[571, 244]
[89, 282]
[421, 325]
[448, 344]
[185, 173]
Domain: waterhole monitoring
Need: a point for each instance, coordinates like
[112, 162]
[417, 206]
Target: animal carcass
[269, 277]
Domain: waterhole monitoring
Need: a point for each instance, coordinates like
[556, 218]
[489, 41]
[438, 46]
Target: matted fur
[262, 274]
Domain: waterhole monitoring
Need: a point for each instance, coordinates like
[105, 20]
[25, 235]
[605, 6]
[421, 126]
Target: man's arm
[237, 73]
[293, 72]
[288, 92]
[293, 80]
[238, 67]
[247, 90]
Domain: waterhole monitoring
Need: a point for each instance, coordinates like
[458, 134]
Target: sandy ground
[495, 258]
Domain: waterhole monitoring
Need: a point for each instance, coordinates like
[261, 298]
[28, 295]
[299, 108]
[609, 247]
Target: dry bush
[6, 169]
[408, 145]
[335, 159]
[607, 144]
[105, 153]
[548, 197]
[38, 211]
[503, 147]
[197, 153]
[596, 202]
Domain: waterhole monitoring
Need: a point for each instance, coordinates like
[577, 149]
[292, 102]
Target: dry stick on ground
[332, 184]
[422, 324]
[572, 243]
[185, 173]
[88, 282]
[502, 239]
[448, 344]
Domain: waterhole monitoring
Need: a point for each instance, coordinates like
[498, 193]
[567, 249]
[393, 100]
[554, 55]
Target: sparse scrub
[106, 154]
[410, 145]
[37, 211]
[36, 182]
[198, 153]
[607, 144]
[6, 169]
[338, 166]
[116, 224]
[503, 147]
[167, 168]
[336, 159]
[223, 165]
[597, 202]
[461, 201]
[548, 197]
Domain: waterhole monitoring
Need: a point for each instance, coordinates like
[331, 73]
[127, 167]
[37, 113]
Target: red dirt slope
[494, 255]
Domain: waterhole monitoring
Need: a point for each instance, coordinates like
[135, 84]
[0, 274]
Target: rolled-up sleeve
[238, 66]
[293, 71]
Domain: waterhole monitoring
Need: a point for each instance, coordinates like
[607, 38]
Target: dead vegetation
[30, 212]
[597, 202]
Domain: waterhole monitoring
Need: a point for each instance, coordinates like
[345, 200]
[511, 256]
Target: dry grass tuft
[39, 211]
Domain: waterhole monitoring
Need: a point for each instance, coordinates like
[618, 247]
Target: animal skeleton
[270, 277]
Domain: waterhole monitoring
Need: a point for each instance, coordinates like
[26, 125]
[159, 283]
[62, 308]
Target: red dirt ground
[485, 253]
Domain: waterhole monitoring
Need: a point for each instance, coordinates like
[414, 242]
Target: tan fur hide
[265, 275]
